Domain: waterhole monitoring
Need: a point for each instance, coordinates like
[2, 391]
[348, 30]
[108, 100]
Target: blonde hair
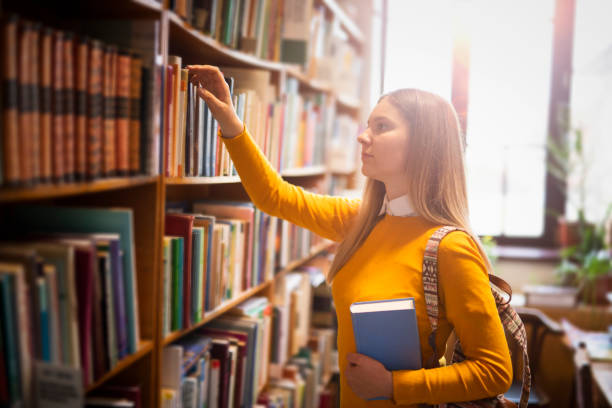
[435, 173]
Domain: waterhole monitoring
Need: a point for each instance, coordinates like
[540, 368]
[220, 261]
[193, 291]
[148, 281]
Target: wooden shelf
[347, 102]
[67, 189]
[196, 43]
[304, 172]
[144, 348]
[349, 25]
[148, 4]
[224, 307]
[202, 180]
[315, 251]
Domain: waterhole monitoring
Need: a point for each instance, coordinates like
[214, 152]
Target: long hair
[435, 173]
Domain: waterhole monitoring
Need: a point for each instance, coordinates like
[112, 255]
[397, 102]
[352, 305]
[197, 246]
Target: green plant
[581, 264]
[489, 244]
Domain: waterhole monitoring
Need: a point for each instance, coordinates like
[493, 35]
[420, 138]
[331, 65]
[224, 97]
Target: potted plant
[585, 256]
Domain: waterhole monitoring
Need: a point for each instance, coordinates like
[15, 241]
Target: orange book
[10, 115]
[175, 62]
[69, 136]
[80, 107]
[46, 125]
[135, 92]
[25, 107]
[123, 113]
[109, 148]
[57, 106]
[94, 110]
[35, 100]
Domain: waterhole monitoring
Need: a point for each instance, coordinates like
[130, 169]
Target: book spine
[10, 124]
[57, 137]
[46, 41]
[124, 64]
[135, 109]
[80, 159]
[45, 337]
[35, 99]
[119, 295]
[109, 160]
[99, 349]
[169, 128]
[25, 106]
[69, 135]
[10, 328]
[94, 110]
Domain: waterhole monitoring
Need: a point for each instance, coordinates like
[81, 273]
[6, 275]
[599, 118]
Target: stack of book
[270, 29]
[291, 130]
[223, 364]
[73, 107]
[68, 293]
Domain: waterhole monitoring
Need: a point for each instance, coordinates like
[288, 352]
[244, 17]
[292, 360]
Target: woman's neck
[395, 190]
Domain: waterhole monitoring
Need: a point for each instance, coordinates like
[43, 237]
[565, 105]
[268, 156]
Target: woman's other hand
[367, 377]
[215, 92]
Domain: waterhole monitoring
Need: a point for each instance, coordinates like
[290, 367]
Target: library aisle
[134, 269]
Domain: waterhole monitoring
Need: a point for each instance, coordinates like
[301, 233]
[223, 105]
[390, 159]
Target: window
[496, 60]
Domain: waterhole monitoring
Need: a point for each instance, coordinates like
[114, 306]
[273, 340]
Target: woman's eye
[380, 126]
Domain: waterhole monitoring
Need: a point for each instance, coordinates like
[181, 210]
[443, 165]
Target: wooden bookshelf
[347, 23]
[147, 196]
[145, 347]
[177, 181]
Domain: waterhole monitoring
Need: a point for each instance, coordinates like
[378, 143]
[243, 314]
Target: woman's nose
[364, 137]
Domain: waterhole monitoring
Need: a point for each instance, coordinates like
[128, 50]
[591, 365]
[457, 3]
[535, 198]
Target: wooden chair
[583, 386]
[538, 326]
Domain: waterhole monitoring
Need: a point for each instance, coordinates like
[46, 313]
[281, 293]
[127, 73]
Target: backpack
[513, 326]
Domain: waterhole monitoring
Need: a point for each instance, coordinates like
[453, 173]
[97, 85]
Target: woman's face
[384, 144]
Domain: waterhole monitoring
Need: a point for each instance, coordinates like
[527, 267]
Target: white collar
[399, 207]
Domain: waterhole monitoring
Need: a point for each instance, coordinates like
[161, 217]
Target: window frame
[559, 102]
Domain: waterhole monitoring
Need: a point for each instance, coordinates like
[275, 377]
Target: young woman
[412, 156]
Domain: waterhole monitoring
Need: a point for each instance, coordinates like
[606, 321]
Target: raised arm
[325, 215]
[466, 297]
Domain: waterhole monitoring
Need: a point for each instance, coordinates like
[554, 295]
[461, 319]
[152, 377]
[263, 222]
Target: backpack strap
[509, 318]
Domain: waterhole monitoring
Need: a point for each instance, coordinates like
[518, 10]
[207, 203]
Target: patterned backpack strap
[509, 318]
[514, 326]
[430, 285]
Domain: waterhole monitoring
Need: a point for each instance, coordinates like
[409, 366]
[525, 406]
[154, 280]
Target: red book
[122, 122]
[181, 225]
[135, 92]
[85, 258]
[94, 110]
[46, 42]
[35, 100]
[99, 349]
[10, 115]
[25, 106]
[80, 108]
[57, 84]
[69, 137]
[220, 351]
[109, 149]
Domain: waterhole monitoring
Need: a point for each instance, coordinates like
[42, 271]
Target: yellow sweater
[387, 266]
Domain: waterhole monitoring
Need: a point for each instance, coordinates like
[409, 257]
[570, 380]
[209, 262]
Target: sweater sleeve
[325, 215]
[470, 307]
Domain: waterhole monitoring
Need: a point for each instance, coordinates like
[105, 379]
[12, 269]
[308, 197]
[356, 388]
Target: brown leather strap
[503, 285]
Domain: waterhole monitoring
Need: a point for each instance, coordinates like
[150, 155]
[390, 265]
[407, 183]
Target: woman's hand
[215, 92]
[367, 377]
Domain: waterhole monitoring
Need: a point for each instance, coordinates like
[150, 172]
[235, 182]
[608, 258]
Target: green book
[9, 332]
[177, 283]
[197, 265]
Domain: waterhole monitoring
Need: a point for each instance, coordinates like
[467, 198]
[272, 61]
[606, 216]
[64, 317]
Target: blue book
[10, 332]
[386, 330]
[45, 335]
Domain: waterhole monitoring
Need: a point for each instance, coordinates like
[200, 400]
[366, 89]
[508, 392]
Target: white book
[233, 355]
[189, 392]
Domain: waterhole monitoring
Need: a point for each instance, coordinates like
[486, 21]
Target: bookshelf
[147, 196]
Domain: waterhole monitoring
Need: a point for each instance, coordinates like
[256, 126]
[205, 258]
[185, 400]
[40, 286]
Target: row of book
[276, 30]
[74, 108]
[214, 251]
[68, 291]
[222, 364]
[291, 129]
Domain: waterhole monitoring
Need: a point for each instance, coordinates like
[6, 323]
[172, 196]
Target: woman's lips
[366, 156]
